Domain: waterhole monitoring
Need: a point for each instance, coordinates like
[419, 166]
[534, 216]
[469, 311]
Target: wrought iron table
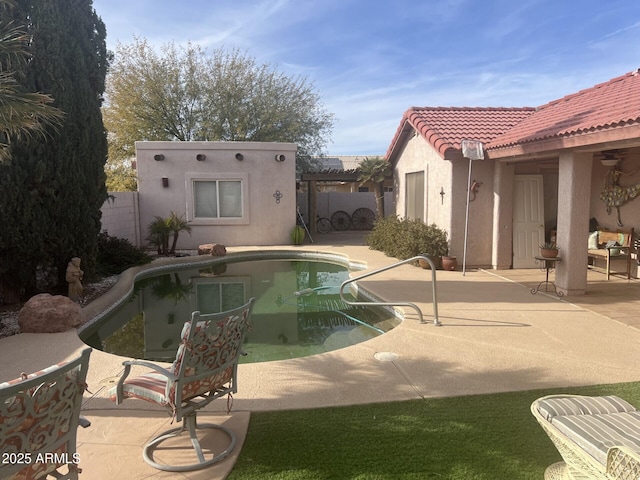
[548, 264]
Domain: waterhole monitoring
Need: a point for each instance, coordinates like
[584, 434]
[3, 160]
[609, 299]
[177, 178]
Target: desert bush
[116, 254]
[403, 238]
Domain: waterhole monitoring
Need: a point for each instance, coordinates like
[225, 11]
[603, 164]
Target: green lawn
[490, 437]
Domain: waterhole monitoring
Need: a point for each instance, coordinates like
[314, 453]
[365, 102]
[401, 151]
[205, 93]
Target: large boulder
[213, 249]
[46, 313]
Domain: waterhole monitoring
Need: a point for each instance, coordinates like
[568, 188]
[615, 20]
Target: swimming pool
[298, 310]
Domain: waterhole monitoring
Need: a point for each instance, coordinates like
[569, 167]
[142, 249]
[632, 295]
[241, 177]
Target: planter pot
[449, 263]
[424, 264]
[297, 235]
[548, 253]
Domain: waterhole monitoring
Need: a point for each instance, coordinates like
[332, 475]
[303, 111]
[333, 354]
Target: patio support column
[502, 249]
[574, 199]
[313, 206]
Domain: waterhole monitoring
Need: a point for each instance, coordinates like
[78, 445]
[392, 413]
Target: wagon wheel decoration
[362, 219]
[340, 220]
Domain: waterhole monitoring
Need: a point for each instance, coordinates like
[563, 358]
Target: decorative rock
[46, 313]
[214, 249]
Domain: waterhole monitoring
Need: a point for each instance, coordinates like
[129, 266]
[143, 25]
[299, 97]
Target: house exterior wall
[416, 156]
[268, 189]
[448, 211]
[120, 216]
[480, 226]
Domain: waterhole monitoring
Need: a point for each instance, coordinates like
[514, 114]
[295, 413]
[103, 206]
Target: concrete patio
[496, 336]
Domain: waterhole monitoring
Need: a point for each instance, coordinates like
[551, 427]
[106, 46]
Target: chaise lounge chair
[205, 369]
[598, 437]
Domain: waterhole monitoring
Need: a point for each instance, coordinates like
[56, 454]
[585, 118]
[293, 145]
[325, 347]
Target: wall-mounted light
[609, 162]
[280, 158]
[239, 157]
[201, 157]
[159, 157]
[442, 194]
[165, 182]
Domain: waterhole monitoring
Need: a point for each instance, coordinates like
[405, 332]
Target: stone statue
[74, 279]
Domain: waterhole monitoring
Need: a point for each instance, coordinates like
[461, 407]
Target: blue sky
[370, 60]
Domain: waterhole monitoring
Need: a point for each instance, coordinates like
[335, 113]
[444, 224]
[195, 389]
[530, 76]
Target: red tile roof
[598, 109]
[607, 105]
[445, 127]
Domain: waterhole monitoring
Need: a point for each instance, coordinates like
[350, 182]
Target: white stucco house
[233, 193]
[543, 174]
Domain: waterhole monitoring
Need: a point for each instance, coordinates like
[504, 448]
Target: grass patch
[490, 437]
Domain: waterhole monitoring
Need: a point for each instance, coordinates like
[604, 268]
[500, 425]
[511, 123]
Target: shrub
[115, 255]
[405, 238]
[162, 228]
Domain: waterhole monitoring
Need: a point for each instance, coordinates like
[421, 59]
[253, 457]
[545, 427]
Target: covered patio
[593, 137]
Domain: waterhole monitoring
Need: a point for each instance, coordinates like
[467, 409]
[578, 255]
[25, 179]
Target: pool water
[298, 310]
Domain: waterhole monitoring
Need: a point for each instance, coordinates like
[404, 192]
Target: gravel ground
[9, 313]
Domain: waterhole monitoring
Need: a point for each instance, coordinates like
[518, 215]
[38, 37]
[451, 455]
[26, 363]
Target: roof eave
[594, 140]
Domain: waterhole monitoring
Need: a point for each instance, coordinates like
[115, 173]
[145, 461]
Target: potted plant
[549, 250]
[297, 235]
[428, 240]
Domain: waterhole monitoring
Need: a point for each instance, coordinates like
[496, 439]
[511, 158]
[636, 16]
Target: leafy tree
[54, 186]
[121, 176]
[375, 170]
[185, 93]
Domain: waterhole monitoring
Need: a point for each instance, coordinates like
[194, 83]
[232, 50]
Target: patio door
[528, 219]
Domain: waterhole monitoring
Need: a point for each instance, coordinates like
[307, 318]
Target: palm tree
[21, 113]
[177, 224]
[159, 231]
[375, 170]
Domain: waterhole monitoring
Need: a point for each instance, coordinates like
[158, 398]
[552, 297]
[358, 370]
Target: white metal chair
[205, 369]
[39, 416]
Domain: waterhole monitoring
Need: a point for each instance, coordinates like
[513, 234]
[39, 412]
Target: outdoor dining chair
[39, 416]
[205, 369]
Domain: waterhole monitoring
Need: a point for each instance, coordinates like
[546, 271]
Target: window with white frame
[217, 200]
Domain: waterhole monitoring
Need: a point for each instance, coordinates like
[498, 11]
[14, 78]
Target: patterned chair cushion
[150, 386]
[157, 388]
[205, 341]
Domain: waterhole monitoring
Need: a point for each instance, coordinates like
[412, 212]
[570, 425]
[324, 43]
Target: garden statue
[74, 279]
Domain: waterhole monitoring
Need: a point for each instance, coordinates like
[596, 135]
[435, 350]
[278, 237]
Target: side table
[547, 264]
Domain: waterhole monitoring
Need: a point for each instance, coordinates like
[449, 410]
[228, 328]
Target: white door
[528, 219]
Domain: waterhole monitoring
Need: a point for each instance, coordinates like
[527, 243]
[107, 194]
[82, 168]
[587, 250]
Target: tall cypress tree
[54, 187]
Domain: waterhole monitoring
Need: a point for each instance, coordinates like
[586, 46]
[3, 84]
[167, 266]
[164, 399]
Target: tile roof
[602, 108]
[445, 127]
[607, 105]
